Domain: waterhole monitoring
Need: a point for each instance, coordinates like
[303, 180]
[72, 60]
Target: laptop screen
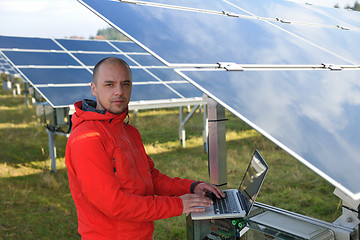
[253, 179]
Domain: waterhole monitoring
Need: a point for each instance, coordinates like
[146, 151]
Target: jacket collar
[90, 105]
[86, 111]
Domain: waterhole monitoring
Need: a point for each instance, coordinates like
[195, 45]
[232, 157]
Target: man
[117, 191]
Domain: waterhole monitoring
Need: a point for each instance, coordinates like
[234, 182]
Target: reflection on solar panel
[270, 50]
[61, 70]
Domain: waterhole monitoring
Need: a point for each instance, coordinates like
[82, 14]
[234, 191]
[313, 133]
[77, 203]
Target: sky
[66, 18]
[48, 18]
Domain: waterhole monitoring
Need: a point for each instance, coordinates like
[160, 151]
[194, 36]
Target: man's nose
[119, 90]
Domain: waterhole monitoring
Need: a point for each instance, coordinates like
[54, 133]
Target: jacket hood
[86, 111]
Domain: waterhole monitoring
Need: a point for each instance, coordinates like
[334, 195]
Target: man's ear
[93, 89]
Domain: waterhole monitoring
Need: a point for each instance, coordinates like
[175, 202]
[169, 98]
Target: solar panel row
[6, 67]
[61, 69]
[195, 38]
[310, 113]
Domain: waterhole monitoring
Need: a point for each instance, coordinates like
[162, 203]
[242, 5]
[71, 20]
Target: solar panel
[312, 114]
[343, 18]
[86, 45]
[127, 47]
[6, 67]
[63, 95]
[62, 70]
[94, 58]
[202, 38]
[291, 12]
[57, 76]
[28, 43]
[40, 58]
[342, 43]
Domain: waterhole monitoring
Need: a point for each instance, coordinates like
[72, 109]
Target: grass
[36, 203]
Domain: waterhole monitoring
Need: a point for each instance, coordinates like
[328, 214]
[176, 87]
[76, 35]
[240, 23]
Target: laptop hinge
[241, 200]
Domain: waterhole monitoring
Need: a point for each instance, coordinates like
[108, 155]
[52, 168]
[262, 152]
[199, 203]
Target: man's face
[113, 87]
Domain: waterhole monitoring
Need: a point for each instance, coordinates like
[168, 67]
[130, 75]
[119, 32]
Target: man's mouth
[117, 101]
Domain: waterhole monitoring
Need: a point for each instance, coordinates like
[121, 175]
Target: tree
[356, 6]
[110, 33]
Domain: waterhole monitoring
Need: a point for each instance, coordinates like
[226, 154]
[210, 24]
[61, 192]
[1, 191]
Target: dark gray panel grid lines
[61, 69]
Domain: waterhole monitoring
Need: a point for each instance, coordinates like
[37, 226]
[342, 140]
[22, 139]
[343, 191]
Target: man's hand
[197, 202]
[194, 203]
[203, 188]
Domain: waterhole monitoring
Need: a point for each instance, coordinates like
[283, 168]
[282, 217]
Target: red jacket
[116, 189]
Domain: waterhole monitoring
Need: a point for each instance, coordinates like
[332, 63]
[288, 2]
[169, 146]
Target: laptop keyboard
[225, 205]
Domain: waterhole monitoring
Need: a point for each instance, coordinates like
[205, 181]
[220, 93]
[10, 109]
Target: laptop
[238, 202]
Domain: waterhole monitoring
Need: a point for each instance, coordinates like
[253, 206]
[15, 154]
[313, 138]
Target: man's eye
[108, 85]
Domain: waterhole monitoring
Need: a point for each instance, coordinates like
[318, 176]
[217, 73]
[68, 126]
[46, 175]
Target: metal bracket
[230, 14]
[332, 66]
[230, 66]
[283, 20]
[350, 212]
[343, 28]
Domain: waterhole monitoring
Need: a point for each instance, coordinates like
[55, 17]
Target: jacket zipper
[134, 158]
[114, 161]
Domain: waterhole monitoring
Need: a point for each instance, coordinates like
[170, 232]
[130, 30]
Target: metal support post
[182, 133]
[6, 84]
[350, 213]
[15, 87]
[216, 146]
[52, 149]
[181, 127]
[26, 92]
[216, 142]
[205, 131]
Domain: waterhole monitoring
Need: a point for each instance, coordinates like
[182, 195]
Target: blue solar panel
[345, 18]
[91, 59]
[211, 6]
[186, 90]
[54, 73]
[166, 74]
[6, 66]
[28, 43]
[41, 58]
[191, 37]
[285, 11]
[311, 114]
[57, 76]
[86, 45]
[64, 96]
[146, 92]
[128, 46]
[146, 60]
[343, 43]
[141, 75]
[76, 93]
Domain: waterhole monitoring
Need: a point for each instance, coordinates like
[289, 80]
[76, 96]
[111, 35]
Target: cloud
[21, 6]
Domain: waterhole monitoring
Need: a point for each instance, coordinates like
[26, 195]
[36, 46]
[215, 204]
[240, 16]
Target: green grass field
[37, 204]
